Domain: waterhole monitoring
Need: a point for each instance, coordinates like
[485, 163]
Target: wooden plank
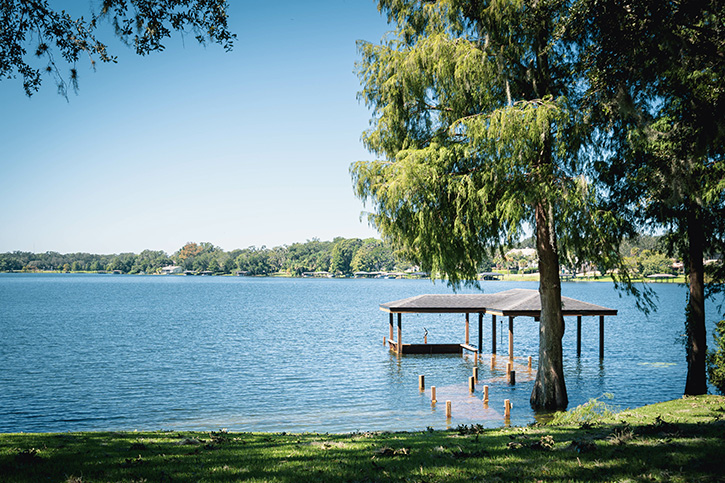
[430, 348]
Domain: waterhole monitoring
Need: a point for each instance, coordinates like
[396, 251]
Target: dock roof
[514, 302]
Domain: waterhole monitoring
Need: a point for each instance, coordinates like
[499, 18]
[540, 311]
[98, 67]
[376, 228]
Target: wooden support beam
[511, 338]
[391, 326]
[468, 330]
[480, 332]
[601, 337]
[493, 334]
[578, 335]
[400, 334]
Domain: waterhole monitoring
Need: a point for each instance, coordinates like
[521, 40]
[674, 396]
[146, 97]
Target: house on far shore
[322, 274]
[171, 269]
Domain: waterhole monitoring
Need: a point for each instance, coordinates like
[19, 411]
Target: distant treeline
[339, 256]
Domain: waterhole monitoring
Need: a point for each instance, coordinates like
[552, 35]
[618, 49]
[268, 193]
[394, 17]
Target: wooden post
[529, 363]
[433, 394]
[493, 361]
[475, 373]
[601, 337]
[493, 334]
[400, 333]
[448, 410]
[512, 377]
[471, 384]
[578, 335]
[507, 409]
[511, 338]
[509, 369]
[468, 331]
[391, 327]
[485, 395]
[480, 332]
[385, 341]
[421, 382]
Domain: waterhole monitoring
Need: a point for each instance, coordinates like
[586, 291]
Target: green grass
[681, 440]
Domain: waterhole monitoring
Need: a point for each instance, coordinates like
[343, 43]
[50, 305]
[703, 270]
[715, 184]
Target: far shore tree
[41, 38]
[479, 135]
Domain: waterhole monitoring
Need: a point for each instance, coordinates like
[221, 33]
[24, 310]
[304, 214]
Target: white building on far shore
[171, 269]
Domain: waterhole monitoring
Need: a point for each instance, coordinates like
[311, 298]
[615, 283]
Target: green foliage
[311, 256]
[373, 256]
[716, 359]
[474, 134]
[656, 91]
[648, 262]
[35, 36]
[590, 412]
[342, 255]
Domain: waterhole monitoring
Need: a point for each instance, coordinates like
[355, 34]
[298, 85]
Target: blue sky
[250, 147]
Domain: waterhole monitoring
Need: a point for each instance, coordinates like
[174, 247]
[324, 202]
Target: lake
[121, 352]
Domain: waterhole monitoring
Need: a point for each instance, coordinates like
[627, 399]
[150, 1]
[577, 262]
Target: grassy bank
[681, 440]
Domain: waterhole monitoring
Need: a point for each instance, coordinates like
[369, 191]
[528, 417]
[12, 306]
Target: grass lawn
[680, 440]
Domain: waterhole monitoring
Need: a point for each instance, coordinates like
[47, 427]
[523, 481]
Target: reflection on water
[92, 352]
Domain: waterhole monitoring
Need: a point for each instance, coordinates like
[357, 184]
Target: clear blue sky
[250, 147]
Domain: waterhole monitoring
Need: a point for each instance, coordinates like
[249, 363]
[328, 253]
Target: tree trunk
[549, 389]
[695, 323]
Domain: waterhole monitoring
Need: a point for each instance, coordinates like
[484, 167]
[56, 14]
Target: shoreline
[679, 279]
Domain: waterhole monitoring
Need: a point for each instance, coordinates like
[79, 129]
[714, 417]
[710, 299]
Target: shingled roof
[514, 302]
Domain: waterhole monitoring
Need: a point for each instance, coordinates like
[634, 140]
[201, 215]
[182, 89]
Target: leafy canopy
[36, 38]
[473, 134]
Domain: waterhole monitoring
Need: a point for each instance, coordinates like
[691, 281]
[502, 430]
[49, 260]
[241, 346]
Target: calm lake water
[105, 352]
